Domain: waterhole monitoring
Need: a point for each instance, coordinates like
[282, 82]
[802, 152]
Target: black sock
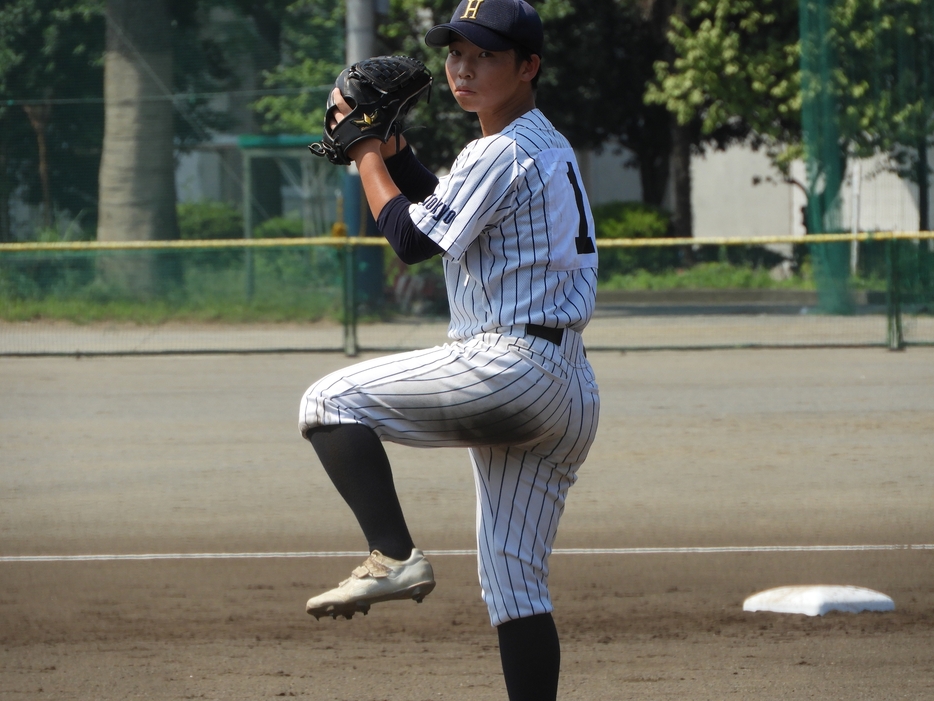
[357, 464]
[531, 656]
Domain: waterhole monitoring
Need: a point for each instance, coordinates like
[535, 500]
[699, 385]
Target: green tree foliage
[633, 220]
[313, 56]
[883, 81]
[205, 63]
[312, 40]
[593, 96]
[599, 56]
[51, 98]
[265, 20]
[736, 64]
[867, 88]
[51, 121]
[604, 56]
[878, 56]
[863, 72]
[438, 129]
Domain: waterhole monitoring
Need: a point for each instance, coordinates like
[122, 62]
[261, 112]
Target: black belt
[546, 332]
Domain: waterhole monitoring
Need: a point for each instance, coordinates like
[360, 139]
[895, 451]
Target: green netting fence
[867, 89]
[352, 295]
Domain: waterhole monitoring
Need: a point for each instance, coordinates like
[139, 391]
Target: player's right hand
[342, 108]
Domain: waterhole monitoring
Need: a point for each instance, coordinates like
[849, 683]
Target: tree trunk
[924, 188]
[654, 156]
[38, 116]
[682, 219]
[266, 177]
[679, 157]
[137, 174]
[5, 190]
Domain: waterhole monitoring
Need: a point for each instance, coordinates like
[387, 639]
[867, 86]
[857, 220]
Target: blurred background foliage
[651, 77]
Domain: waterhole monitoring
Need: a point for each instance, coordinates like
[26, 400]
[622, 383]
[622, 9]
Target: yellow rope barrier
[181, 245]
[763, 240]
[340, 241]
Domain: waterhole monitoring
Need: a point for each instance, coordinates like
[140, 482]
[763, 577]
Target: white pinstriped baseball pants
[525, 408]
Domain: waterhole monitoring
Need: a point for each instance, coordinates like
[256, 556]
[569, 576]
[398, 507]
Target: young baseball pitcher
[512, 224]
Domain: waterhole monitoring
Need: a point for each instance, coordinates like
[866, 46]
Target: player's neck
[495, 120]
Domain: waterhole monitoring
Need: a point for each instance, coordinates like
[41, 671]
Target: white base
[818, 600]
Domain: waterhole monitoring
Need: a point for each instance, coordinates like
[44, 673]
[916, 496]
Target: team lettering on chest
[439, 210]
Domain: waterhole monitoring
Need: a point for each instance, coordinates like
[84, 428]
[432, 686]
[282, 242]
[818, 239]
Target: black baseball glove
[380, 91]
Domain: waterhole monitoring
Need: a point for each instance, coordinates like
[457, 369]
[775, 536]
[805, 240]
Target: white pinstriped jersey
[517, 230]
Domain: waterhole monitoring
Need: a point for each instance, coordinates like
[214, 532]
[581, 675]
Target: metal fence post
[248, 224]
[350, 300]
[896, 340]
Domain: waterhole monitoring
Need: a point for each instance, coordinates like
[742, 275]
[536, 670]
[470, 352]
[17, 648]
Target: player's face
[487, 82]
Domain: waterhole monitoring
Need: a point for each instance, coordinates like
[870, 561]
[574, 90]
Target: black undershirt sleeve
[410, 244]
[413, 179]
[415, 182]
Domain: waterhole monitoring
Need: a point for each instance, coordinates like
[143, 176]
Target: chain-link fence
[352, 294]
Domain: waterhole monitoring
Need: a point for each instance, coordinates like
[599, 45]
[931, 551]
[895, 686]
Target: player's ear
[529, 67]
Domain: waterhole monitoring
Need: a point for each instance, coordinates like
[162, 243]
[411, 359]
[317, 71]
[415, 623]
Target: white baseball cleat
[380, 578]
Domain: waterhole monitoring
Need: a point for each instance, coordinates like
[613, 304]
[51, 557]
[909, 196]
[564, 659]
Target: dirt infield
[200, 455]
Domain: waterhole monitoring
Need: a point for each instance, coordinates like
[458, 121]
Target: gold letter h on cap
[471, 11]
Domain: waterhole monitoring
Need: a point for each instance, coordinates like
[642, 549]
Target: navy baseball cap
[494, 25]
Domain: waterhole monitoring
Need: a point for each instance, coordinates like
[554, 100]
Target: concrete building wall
[737, 193]
[608, 179]
[876, 199]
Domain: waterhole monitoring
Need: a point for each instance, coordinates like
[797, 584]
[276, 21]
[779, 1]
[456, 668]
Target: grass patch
[300, 286]
[708, 276]
[727, 276]
[153, 312]
[288, 286]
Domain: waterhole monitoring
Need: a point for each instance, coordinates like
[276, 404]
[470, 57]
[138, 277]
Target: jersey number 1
[583, 242]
